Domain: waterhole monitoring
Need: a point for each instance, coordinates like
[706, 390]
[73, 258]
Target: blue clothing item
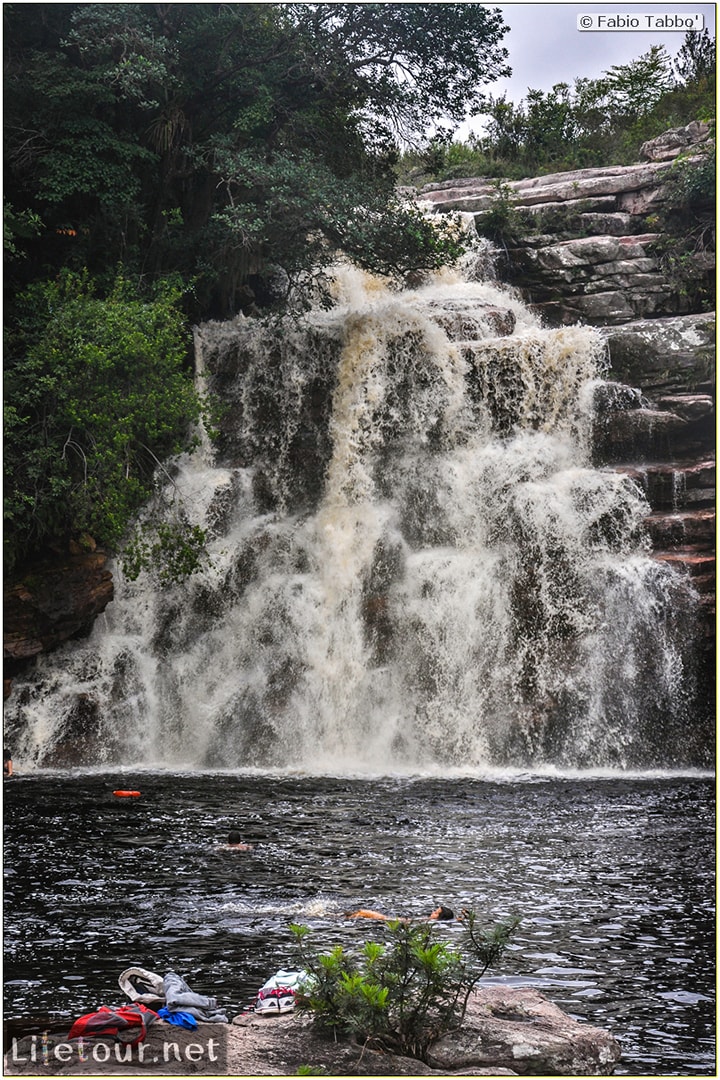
[182, 1019]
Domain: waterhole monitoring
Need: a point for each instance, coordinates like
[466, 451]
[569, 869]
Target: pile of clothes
[168, 997]
[179, 1004]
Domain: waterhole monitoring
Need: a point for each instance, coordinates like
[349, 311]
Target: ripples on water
[613, 880]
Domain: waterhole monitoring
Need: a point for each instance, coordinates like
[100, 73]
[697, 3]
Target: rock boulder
[54, 601]
[670, 355]
[519, 1029]
[670, 144]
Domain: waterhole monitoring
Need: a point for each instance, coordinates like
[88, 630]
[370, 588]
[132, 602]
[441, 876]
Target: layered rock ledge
[572, 189]
[658, 427]
[589, 247]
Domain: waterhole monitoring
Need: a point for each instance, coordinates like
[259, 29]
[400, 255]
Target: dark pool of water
[613, 880]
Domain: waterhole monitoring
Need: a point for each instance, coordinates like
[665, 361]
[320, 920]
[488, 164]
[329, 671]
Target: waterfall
[413, 563]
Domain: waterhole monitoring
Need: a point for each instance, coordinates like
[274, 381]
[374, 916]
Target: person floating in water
[440, 913]
[7, 762]
[235, 841]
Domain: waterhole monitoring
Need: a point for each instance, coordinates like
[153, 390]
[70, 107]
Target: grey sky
[546, 47]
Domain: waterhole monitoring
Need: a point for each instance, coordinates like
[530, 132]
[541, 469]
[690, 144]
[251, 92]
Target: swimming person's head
[442, 912]
[234, 837]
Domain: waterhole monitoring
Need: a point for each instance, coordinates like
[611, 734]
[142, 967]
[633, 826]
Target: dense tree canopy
[234, 149]
[95, 396]
[222, 139]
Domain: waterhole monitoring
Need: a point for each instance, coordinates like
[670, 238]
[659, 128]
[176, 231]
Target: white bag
[153, 982]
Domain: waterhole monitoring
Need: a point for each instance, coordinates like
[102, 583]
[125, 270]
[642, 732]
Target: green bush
[170, 550]
[404, 993]
[97, 393]
[501, 222]
[686, 247]
[691, 183]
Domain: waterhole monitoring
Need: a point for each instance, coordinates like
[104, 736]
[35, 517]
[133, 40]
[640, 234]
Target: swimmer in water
[440, 913]
[235, 841]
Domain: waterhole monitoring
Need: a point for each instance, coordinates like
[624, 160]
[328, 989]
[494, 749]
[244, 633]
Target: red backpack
[111, 1022]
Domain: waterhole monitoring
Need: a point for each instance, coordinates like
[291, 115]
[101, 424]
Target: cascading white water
[413, 562]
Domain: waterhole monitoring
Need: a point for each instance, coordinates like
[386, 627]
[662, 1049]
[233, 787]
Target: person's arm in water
[364, 913]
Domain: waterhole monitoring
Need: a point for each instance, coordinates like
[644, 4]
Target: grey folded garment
[218, 1017]
[180, 998]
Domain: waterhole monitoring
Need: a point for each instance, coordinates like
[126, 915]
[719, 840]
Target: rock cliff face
[589, 247]
[586, 255]
[53, 601]
[664, 439]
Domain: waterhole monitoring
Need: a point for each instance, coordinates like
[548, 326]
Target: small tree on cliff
[696, 60]
[404, 993]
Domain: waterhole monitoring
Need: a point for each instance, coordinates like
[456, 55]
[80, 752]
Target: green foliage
[591, 123]
[691, 184]
[225, 141]
[488, 945]
[444, 159]
[634, 89]
[403, 993]
[380, 231]
[398, 238]
[17, 227]
[96, 394]
[686, 248]
[169, 550]
[501, 222]
[594, 122]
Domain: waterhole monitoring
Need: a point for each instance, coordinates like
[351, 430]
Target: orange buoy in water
[125, 794]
